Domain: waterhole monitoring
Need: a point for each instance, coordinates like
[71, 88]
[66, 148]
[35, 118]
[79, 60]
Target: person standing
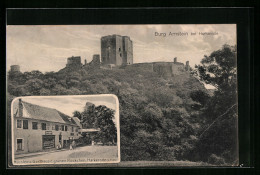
[70, 146]
[73, 144]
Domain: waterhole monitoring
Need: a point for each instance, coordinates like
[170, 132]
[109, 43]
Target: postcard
[176, 86]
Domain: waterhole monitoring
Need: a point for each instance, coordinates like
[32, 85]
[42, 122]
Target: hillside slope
[158, 118]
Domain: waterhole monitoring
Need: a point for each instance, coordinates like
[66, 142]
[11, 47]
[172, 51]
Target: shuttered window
[43, 126]
[19, 124]
[25, 124]
[34, 125]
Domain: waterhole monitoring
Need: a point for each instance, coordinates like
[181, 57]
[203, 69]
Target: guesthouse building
[37, 128]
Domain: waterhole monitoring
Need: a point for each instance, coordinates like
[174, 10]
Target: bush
[216, 160]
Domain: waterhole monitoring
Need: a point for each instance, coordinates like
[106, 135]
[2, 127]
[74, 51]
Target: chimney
[187, 63]
[85, 61]
[175, 59]
[20, 108]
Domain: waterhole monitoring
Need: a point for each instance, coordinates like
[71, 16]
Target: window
[19, 143]
[119, 49]
[25, 124]
[120, 55]
[43, 126]
[34, 125]
[62, 127]
[66, 128]
[76, 129]
[56, 127]
[72, 129]
[19, 124]
[48, 126]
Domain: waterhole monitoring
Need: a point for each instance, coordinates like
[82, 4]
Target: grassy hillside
[158, 118]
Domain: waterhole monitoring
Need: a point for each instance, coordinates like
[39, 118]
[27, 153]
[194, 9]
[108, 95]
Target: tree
[199, 96]
[99, 117]
[219, 136]
[106, 124]
[77, 114]
[219, 69]
[34, 86]
[89, 116]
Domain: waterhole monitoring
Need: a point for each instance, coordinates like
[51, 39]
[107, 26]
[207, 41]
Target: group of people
[72, 145]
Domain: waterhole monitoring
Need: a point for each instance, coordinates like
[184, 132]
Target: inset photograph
[65, 130]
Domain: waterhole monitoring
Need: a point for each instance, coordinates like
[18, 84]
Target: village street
[86, 152]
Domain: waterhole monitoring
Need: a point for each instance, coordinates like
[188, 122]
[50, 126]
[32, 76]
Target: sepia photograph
[65, 130]
[176, 86]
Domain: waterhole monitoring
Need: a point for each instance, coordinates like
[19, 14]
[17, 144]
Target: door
[48, 141]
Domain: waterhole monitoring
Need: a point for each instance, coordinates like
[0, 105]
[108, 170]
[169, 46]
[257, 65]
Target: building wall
[119, 50]
[108, 54]
[177, 69]
[163, 69]
[33, 139]
[141, 66]
[128, 50]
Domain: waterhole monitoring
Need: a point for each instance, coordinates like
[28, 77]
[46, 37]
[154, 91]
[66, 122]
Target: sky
[68, 104]
[46, 48]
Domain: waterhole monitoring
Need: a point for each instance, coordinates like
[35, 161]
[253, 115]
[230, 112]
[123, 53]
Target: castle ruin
[74, 61]
[165, 69]
[95, 61]
[116, 50]
[15, 68]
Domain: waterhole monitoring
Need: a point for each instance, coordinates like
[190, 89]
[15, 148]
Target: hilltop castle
[116, 51]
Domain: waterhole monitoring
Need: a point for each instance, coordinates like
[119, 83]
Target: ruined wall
[73, 61]
[95, 61]
[163, 68]
[141, 66]
[177, 68]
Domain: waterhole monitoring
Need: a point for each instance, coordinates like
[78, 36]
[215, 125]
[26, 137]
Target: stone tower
[15, 68]
[117, 50]
[187, 66]
[175, 60]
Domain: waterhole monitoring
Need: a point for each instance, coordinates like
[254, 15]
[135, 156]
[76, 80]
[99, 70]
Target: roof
[77, 121]
[43, 113]
[90, 130]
